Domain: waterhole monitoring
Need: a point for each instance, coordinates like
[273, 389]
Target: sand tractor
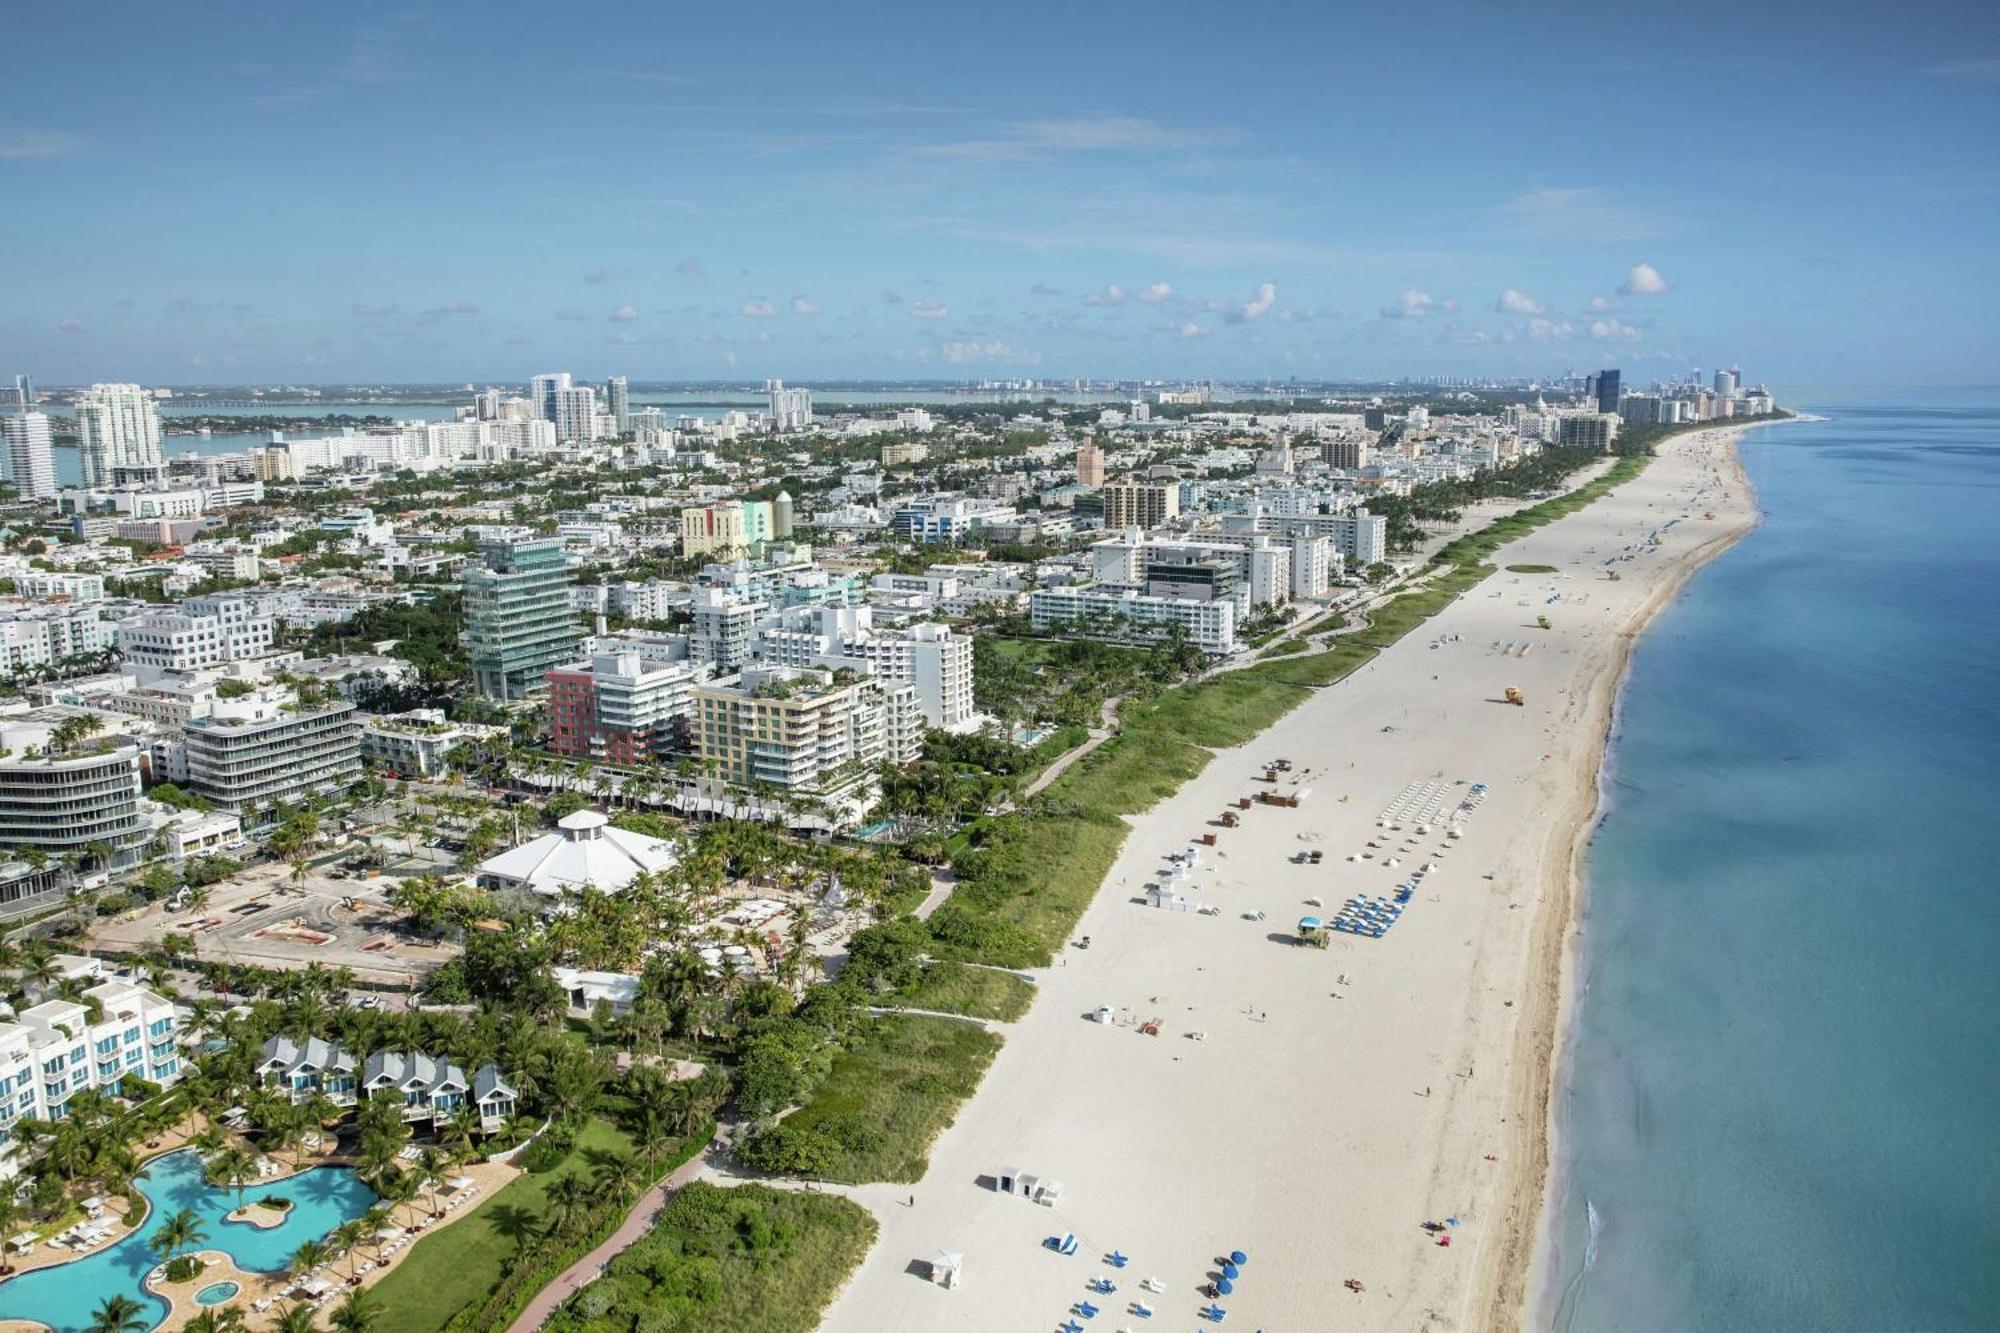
[1513, 696]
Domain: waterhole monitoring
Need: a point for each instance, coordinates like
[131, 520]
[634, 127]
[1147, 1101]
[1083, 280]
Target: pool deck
[219, 1266]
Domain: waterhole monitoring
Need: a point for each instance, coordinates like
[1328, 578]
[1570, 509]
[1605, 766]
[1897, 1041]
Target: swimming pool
[65, 1296]
[215, 1293]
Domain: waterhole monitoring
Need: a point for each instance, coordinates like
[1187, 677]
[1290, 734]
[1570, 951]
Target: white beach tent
[948, 1269]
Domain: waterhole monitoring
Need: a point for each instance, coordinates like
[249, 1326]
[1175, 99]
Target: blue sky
[261, 192]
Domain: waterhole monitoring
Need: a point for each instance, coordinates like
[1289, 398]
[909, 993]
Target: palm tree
[569, 1203]
[178, 1233]
[296, 1319]
[119, 1314]
[617, 1174]
[310, 1255]
[233, 1167]
[356, 1314]
[347, 1239]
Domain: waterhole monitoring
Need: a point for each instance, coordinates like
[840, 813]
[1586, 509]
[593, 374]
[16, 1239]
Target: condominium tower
[518, 621]
[118, 427]
[30, 455]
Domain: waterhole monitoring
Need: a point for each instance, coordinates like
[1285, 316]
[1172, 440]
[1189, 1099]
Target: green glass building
[518, 621]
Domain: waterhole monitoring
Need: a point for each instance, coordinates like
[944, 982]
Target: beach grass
[890, 1092]
[458, 1266]
[977, 992]
[748, 1259]
[1531, 569]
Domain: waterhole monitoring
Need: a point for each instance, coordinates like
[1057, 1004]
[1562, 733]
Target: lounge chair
[1086, 1309]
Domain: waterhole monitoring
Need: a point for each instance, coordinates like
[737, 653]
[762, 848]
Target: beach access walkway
[591, 1266]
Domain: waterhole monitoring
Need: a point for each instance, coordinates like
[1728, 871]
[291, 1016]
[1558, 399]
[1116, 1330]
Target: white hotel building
[52, 1051]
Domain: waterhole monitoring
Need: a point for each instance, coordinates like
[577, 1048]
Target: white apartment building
[38, 636]
[62, 803]
[60, 587]
[1360, 538]
[934, 659]
[1209, 626]
[172, 641]
[52, 1051]
[31, 459]
[723, 624]
[791, 409]
[254, 752]
[118, 427]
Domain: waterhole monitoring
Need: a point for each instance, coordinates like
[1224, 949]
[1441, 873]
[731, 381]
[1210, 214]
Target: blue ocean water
[1781, 1105]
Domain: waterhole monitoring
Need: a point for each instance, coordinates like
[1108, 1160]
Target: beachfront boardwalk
[1338, 1098]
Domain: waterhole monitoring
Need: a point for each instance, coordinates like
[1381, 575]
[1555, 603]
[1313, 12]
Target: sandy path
[1320, 1122]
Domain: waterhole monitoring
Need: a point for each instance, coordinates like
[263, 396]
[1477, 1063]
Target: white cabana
[948, 1268]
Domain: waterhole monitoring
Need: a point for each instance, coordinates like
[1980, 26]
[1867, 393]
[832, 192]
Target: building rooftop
[585, 851]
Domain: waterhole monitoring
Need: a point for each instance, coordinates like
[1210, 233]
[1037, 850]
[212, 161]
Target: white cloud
[1192, 330]
[929, 309]
[39, 143]
[1259, 305]
[1643, 280]
[625, 314]
[1612, 330]
[1985, 70]
[72, 326]
[1550, 330]
[1112, 294]
[1412, 304]
[1600, 305]
[959, 353]
[1574, 213]
[1514, 301]
[759, 309]
[802, 306]
[1156, 293]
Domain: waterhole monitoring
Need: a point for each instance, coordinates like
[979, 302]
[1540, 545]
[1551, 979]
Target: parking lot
[263, 918]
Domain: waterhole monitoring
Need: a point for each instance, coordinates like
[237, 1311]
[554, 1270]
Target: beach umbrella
[1230, 1270]
[1238, 1258]
[1223, 1288]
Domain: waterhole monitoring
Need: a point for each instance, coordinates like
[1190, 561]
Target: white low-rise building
[1208, 625]
[52, 1051]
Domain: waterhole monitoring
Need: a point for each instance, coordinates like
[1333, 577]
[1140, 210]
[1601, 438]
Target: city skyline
[1080, 194]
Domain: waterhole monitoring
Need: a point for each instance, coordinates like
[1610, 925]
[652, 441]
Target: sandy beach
[1334, 1100]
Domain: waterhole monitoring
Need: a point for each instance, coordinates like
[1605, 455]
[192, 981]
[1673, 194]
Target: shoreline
[1527, 1263]
[1259, 1073]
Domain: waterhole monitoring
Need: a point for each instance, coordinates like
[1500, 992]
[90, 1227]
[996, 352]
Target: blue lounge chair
[1143, 1310]
[1070, 1326]
[1086, 1309]
[1215, 1313]
[1116, 1260]
[1068, 1245]
[1103, 1286]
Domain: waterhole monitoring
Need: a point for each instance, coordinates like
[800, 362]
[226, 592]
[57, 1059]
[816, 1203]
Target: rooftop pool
[65, 1297]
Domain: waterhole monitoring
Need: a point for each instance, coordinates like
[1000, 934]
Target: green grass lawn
[745, 1260]
[978, 992]
[891, 1091]
[1531, 569]
[459, 1265]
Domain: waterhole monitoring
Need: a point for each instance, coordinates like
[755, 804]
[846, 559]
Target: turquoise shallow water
[1779, 1108]
[64, 1297]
